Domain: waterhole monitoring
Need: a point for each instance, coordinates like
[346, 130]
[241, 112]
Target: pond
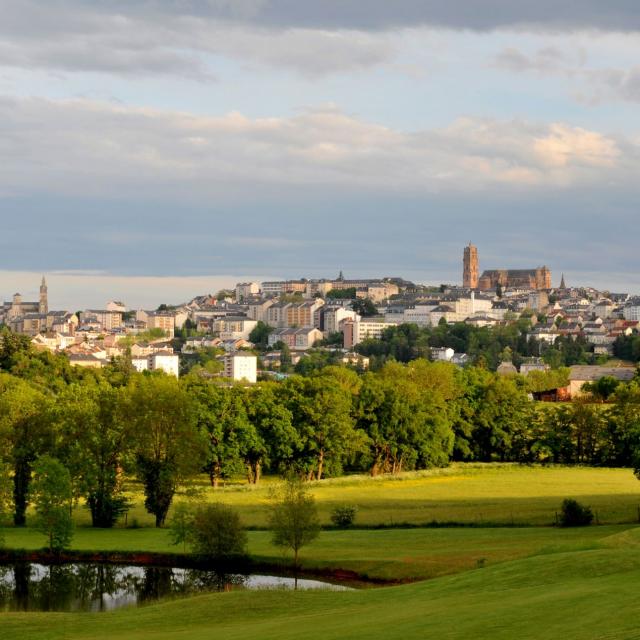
[103, 587]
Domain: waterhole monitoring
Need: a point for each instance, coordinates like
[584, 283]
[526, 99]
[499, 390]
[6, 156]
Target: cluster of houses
[301, 313]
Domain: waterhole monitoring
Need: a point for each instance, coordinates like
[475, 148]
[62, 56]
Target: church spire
[43, 305]
[562, 284]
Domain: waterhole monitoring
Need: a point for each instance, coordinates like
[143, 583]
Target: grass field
[467, 493]
[579, 594]
[504, 582]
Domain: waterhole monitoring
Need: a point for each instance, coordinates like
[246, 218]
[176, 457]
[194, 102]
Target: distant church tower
[562, 284]
[43, 306]
[470, 267]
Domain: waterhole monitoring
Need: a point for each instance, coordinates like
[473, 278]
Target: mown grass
[502, 583]
[391, 554]
[476, 494]
[583, 595]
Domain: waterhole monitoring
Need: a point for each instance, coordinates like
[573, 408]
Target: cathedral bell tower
[43, 306]
[470, 267]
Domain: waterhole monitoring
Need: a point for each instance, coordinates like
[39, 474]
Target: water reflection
[102, 587]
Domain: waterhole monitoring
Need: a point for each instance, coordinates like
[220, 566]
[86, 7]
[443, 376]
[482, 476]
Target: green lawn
[504, 582]
[468, 493]
[580, 595]
[391, 554]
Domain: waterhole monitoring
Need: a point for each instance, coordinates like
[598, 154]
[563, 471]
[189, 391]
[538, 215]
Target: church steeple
[562, 284]
[43, 306]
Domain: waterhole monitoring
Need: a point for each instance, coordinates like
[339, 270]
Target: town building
[241, 366]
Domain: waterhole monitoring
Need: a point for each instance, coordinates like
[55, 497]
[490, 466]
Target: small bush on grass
[575, 514]
[217, 533]
[344, 515]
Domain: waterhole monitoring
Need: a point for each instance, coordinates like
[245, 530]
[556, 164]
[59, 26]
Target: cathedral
[539, 278]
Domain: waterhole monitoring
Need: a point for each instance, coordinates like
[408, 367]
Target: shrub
[575, 514]
[217, 533]
[344, 515]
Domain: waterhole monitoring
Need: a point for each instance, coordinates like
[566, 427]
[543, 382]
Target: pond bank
[186, 561]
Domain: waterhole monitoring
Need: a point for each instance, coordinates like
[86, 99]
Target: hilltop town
[272, 325]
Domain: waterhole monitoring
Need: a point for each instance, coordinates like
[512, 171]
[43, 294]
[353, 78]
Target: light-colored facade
[245, 290]
[165, 361]
[241, 367]
[355, 331]
[303, 338]
[108, 320]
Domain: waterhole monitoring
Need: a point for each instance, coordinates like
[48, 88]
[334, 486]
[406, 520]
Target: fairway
[466, 582]
[578, 595]
[477, 494]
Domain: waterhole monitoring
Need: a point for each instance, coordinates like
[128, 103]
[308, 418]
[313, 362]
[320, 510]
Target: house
[581, 374]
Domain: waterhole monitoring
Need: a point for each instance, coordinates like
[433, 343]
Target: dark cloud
[480, 15]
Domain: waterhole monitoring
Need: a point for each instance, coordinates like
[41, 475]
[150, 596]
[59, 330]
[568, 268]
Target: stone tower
[43, 306]
[470, 267]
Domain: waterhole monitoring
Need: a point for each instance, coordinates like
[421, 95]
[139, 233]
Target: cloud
[478, 15]
[102, 149]
[547, 60]
[178, 37]
[159, 39]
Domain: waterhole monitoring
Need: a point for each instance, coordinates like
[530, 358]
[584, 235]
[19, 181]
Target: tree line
[102, 425]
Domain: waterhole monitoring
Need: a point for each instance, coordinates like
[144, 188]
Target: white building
[442, 354]
[161, 361]
[165, 361]
[245, 290]
[335, 316]
[420, 314]
[632, 311]
[241, 366]
[355, 331]
[234, 328]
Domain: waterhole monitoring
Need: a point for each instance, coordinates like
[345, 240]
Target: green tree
[274, 440]
[222, 421]
[181, 525]
[260, 334]
[165, 437]
[321, 409]
[52, 497]
[217, 533]
[25, 433]
[95, 441]
[5, 497]
[293, 518]
[364, 307]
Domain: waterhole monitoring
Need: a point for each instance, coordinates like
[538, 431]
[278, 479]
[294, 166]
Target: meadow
[471, 494]
[476, 581]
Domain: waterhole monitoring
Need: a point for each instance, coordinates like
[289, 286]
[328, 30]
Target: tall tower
[43, 306]
[470, 267]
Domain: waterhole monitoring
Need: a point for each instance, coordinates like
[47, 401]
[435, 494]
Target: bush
[575, 514]
[217, 533]
[344, 515]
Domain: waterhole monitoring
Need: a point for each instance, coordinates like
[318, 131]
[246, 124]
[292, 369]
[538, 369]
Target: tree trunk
[320, 464]
[21, 478]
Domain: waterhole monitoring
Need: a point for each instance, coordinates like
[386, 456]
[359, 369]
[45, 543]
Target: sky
[152, 150]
